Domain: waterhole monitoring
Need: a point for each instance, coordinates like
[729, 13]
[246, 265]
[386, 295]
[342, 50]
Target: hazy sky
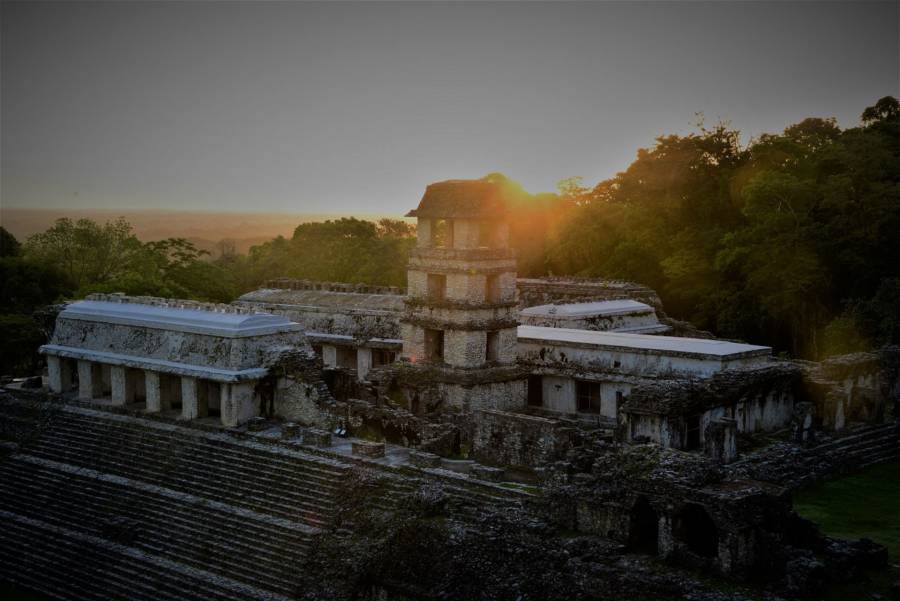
[346, 107]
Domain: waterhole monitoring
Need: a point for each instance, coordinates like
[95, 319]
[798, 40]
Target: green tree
[87, 253]
[9, 246]
[886, 109]
[789, 241]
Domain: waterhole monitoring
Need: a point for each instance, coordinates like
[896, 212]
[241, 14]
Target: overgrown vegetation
[836, 505]
[421, 548]
[862, 505]
[790, 241]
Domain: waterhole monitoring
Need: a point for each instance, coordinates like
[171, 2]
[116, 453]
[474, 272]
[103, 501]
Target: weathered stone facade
[679, 413]
[163, 354]
[624, 315]
[861, 387]
[461, 314]
[518, 440]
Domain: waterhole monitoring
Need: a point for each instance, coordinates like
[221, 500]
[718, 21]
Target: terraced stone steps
[309, 502]
[234, 546]
[271, 481]
[264, 532]
[61, 563]
[161, 510]
[795, 467]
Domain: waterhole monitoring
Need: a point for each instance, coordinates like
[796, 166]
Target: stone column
[118, 385]
[89, 386]
[665, 542]
[423, 232]
[721, 439]
[226, 408]
[363, 362]
[189, 402]
[839, 420]
[54, 373]
[151, 382]
[238, 403]
[329, 355]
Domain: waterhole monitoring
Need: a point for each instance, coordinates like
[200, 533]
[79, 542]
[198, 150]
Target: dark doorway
[535, 391]
[434, 346]
[692, 433]
[265, 391]
[696, 530]
[643, 530]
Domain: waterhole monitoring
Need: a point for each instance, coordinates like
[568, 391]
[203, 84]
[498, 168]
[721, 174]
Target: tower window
[492, 349]
[437, 286]
[485, 234]
[434, 346]
[442, 233]
[492, 289]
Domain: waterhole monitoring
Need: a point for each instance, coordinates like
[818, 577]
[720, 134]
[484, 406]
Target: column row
[194, 397]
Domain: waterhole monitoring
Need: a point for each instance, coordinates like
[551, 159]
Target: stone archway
[643, 527]
[696, 530]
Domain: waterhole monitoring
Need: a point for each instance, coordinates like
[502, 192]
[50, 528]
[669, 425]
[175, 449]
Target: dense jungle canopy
[791, 240]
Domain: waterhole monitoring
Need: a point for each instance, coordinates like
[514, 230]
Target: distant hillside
[205, 229]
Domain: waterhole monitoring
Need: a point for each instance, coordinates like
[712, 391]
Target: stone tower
[459, 327]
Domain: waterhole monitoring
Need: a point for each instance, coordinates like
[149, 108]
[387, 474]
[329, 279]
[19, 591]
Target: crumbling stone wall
[301, 394]
[171, 345]
[859, 387]
[355, 310]
[760, 399]
[515, 439]
[545, 291]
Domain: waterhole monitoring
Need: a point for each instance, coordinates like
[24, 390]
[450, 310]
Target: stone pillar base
[151, 382]
[190, 405]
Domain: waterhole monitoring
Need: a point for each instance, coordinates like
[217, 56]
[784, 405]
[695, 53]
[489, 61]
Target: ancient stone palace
[243, 451]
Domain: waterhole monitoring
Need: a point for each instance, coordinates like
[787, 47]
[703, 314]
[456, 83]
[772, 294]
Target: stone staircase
[791, 465]
[873, 445]
[97, 504]
[109, 506]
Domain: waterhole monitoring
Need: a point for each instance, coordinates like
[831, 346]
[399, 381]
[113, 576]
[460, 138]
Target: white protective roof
[610, 307]
[164, 317]
[640, 342]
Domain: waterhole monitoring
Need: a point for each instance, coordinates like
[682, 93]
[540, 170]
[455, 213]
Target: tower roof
[462, 199]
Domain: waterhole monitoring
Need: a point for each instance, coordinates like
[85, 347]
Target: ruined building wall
[859, 387]
[358, 311]
[558, 290]
[514, 439]
[758, 400]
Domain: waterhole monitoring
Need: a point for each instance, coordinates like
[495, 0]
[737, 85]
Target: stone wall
[859, 387]
[557, 290]
[489, 395]
[640, 321]
[514, 439]
[301, 394]
[173, 346]
[632, 361]
[758, 400]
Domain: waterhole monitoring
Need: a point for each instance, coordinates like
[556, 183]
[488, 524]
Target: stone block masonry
[368, 449]
[317, 438]
[424, 459]
[503, 438]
